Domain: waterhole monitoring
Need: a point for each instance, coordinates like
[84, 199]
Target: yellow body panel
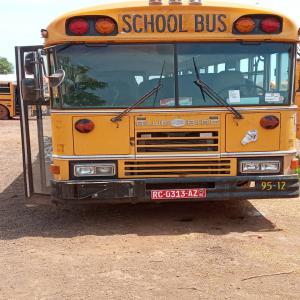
[102, 140]
[62, 134]
[106, 138]
[64, 169]
[236, 130]
[185, 32]
[288, 130]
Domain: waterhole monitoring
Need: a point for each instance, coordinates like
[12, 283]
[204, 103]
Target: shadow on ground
[39, 218]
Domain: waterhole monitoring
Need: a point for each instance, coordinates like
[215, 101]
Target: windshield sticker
[234, 96]
[273, 97]
[167, 102]
[183, 101]
[250, 137]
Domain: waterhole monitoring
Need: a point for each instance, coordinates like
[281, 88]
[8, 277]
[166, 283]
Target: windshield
[108, 76]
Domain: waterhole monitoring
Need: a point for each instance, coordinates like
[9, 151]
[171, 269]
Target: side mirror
[29, 64]
[28, 89]
[57, 78]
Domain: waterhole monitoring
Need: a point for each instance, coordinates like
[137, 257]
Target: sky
[21, 20]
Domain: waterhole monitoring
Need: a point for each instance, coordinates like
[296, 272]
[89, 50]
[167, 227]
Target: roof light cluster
[107, 26]
[258, 24]
[91, 26]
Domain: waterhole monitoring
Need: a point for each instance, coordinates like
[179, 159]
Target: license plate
[178, 194]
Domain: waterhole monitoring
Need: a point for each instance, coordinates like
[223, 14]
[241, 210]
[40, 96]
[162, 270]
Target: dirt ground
[229, 250]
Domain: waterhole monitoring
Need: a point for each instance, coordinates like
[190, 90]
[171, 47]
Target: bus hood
[177, 134]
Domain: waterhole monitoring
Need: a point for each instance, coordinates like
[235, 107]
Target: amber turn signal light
[54, 169]
[245, 25]
[105, 26]
[269, 122]
[295, 163]
[84, 125]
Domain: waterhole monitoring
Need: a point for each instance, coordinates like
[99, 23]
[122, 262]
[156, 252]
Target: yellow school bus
[7, 99]
[170, 101]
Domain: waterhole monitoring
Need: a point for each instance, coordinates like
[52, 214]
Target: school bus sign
[171, 23]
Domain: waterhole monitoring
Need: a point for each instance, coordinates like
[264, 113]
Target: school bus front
[173, 102]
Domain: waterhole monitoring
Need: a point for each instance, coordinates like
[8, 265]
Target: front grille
[178, 168]
[177, 141]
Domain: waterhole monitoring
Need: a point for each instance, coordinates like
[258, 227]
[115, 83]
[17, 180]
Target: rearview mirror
[57, 78]
[28, 90]
[29, 64]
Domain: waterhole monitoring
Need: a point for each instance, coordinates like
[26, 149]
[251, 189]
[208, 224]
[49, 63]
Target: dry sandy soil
[230, 250]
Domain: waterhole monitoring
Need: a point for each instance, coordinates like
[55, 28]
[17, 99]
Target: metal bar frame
[24, 122]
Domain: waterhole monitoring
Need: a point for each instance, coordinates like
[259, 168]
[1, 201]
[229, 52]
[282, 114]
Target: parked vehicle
[153, 102]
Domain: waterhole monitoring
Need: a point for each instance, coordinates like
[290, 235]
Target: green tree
[5, 66]
[81, 89]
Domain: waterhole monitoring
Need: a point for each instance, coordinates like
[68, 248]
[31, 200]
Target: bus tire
[4, 113]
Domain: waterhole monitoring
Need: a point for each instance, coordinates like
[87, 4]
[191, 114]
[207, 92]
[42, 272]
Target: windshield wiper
[205, 89]
[153, 91]
[198, 78]
[159, 82]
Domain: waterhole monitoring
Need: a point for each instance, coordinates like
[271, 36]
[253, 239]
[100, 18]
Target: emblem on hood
[178, 122]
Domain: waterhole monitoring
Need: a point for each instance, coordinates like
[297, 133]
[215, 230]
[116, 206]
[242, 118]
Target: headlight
[94, 170]
[256, 166]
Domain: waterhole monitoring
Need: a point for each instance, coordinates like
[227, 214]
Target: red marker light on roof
[84, 125]
[270, 25]
[79, 26]
[269, 122]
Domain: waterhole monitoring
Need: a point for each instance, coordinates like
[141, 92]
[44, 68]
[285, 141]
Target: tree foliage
[81, 88]
[5, 66]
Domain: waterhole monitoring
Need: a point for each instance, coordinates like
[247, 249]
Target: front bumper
[139, 190]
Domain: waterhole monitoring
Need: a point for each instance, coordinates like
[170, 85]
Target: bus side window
[284, 71]
[5, 88]
[221, 67]
[211, 69]
[244, 67]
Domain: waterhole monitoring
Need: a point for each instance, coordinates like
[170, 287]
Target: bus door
[35, 128]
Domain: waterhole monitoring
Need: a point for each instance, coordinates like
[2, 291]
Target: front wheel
[4, 113]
